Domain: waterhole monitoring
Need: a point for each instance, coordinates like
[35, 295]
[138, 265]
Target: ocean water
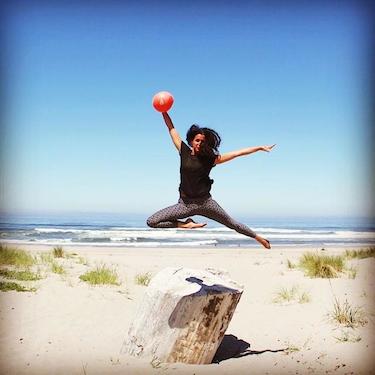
[132, 231]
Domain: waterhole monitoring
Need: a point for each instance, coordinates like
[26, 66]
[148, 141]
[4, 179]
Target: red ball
[162, 101]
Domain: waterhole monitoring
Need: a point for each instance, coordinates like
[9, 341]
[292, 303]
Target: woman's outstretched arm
[245, 151]
[172, 131]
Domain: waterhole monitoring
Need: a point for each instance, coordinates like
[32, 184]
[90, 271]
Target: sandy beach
[70, 327]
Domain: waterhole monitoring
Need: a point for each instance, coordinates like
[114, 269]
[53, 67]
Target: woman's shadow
[232, 347]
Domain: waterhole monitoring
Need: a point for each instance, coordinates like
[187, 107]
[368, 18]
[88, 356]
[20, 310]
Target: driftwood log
[183, 316]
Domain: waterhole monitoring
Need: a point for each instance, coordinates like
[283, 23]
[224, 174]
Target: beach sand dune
[70, 327]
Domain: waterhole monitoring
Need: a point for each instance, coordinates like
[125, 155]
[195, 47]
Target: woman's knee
[151, 222]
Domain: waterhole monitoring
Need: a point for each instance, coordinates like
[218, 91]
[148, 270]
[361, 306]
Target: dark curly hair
[209, 148]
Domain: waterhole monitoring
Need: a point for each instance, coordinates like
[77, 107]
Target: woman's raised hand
[267, 148]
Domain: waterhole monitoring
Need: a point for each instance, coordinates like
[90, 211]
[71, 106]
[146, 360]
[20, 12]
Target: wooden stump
[183, 316]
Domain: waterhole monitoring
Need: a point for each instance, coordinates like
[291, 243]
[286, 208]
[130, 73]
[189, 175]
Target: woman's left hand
[267, 148]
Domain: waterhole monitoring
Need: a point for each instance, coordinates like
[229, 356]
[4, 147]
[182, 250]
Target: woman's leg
[212, 210]
[169, 217]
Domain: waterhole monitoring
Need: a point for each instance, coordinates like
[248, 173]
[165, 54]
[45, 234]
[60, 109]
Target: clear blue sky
[80, 133]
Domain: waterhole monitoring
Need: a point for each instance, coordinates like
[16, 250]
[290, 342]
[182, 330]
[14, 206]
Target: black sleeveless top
[194, 175]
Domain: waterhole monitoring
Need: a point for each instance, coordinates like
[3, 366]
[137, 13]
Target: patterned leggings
[167, 217]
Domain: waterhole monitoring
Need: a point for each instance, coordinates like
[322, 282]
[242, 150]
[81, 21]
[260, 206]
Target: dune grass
[351, 272]
[6, 286]
[101, 275]
[58, 252]
[291, 294]
[325, 266]
[143, 278]
[46, 258]
[348, 337]
[291, 349]
[360, 254]
[26, 275]
[15, 257]
[347, 315]
[155, 363]
[304, 297]
[82, 260]
[285, 295]
[57, 268]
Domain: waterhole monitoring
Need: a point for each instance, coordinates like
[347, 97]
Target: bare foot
[190, 224]
[265, 243]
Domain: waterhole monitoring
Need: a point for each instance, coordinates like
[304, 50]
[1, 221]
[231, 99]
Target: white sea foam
[352, 234]
[153, 237]
[156, 234]
[166, 244]
[281, 230]
[173, 232]
[58, 230]
[51, 241]
[122, 239]
[56, 242]
[209, 234]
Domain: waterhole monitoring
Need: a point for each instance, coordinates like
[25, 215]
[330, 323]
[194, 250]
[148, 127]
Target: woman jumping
[195, 185]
